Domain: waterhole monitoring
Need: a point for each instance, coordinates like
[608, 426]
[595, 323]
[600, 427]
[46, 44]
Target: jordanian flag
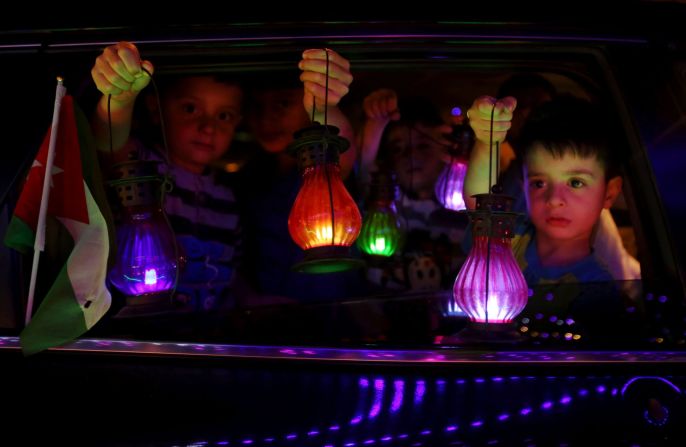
[78, 209]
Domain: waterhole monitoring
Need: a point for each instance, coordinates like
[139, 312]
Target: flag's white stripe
[87, 263]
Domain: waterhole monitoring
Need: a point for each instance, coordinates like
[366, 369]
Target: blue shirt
[588, 269]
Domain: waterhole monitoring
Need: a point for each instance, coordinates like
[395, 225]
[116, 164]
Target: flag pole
[39, 243]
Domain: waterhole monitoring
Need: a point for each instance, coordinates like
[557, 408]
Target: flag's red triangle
[67, 195]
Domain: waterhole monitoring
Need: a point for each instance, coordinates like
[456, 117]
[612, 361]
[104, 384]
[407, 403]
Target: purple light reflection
[419, 390]
[379, 386]
[398, 394]
[661, 379]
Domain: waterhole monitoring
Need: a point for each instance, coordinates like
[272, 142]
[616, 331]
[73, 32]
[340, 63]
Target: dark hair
[413, 111]
[520, 83]
[570, 124]
[273, 80]
[167, 83]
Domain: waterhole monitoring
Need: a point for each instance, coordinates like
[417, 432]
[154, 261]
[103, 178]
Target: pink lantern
[490, 287]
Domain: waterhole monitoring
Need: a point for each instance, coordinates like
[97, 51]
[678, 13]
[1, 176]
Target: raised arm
[380, 108]
[118, 71]
[313, 66]
[476, 180]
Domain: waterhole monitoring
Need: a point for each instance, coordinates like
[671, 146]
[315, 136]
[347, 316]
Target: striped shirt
[204, 214]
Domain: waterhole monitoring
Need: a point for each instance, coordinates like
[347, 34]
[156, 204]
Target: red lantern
[324, 220]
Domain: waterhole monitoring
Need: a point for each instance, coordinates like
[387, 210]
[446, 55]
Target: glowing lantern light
[146, 263]
[324, 220]
[381, 233]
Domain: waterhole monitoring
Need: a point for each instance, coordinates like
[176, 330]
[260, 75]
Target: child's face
[417, 168]
[200, 115]
[275, 115]
[566, 195]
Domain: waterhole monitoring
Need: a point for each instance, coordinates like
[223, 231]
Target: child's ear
[153, 108]
[614, 187]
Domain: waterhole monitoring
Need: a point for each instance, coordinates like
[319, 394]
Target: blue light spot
[456, 111]
[565, 400]
[504, 417]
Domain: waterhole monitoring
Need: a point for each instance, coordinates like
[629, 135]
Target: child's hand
[381, 106]
[313, 65]
[480, 117]
[117, 72]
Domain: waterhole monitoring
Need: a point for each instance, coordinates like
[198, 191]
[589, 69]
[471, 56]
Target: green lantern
[381, 233]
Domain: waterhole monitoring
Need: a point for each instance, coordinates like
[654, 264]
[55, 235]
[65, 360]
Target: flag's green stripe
[19, 236]
[59, 319]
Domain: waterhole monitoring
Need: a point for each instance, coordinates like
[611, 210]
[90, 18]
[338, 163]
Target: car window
[406, 300]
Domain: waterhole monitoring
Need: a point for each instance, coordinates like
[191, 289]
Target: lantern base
[147, 305]
[328, 259]
[485, 334]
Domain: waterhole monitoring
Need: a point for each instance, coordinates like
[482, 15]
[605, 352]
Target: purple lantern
[147, 263]
[450, 183]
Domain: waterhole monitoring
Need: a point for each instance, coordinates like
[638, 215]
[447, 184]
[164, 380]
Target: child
[200, 116]
[270, 181]
[570, 176]
[409, 136]
[280, 107]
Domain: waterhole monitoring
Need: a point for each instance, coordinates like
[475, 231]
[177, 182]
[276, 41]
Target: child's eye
[228, 117]
[536, 184]
[283, 104]
[576, 183]
[188, 108]
[396, 151]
